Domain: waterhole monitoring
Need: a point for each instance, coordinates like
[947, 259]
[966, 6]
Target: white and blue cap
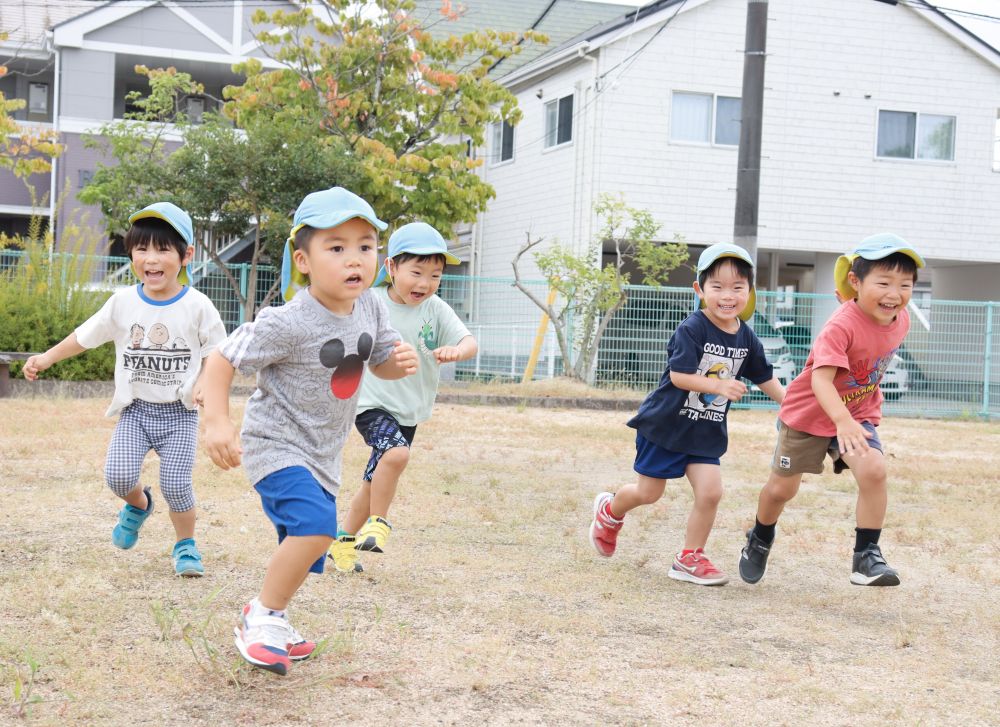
[875, 247]
[176, 218]
[727, 249]
[416, 238]
[321, 210]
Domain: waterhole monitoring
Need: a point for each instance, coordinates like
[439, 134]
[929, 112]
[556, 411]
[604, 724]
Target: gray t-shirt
[309, 363]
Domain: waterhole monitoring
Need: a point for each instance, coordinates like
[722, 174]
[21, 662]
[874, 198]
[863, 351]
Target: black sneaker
[753, 558]
[870, 569]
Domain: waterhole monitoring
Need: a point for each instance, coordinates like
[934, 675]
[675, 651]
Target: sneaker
[130, 520]
[373, 535]
[298, 646]
[870, 569]
[605, 526]
[344, 556]
[753, 558]
[695, 567]
[187, 559]
[263, 641]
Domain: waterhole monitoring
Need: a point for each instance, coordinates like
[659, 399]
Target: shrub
[44, 296]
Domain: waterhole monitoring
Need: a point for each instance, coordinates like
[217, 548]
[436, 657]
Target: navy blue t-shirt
[688, 421]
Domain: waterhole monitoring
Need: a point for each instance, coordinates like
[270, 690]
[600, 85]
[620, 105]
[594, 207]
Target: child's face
[726, 294]
[157, 269]
[340, 262]
[883, 293]
[414, 282]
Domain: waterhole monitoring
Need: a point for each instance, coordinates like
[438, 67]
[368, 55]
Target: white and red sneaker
[263, 640]
[299, 647]
[605, 526]
[695, 567]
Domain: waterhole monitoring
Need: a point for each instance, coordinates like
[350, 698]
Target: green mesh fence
[949, 364]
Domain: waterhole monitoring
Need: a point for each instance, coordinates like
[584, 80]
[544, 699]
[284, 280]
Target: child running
[309, 357]
[681, 426]
[162, 329]
[389, 411]
[834, 406]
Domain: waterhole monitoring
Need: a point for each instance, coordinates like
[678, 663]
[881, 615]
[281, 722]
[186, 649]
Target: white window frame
[713, 125]
[545, 121]
[916, 158]
[496, 146]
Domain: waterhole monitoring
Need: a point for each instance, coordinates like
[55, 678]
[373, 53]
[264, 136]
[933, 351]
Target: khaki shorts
[799, 453]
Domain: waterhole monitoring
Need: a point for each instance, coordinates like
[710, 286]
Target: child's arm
[465, 349]
[774, 390]
[222, 442]
[401, 362]
[66, 348]
[851, 436]
[732, 389]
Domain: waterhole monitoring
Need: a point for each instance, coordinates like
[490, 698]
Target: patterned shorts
[381, 432]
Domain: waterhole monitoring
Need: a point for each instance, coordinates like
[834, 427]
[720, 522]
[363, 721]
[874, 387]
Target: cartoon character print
[158, 336]
[426, 339]
[865, 372]
[136, 334]
[347, 370]
[718, 370]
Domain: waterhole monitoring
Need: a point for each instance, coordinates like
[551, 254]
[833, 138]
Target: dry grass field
[490, 606]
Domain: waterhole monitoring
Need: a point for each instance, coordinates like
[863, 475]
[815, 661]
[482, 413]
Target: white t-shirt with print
[159, 345]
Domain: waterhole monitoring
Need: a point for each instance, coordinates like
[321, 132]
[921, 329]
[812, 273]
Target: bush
[44, 297]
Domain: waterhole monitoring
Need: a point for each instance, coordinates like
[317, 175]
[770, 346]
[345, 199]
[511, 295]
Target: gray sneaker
[870, 569]
[753, 558]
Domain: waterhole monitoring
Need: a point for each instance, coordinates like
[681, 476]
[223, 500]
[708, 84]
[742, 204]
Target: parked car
[776, 349]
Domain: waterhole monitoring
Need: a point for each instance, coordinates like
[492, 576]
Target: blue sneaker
[130, 520]
[187, 559]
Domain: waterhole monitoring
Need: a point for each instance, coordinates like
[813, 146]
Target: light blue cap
[875, 247]
[416, 238]
[727, 249]
[321, 210]
[176, 218]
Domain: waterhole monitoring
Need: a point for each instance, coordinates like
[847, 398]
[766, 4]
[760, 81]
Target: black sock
[863, 537]
[764, 532]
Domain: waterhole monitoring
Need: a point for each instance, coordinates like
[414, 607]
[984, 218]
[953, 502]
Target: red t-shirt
[861, 350]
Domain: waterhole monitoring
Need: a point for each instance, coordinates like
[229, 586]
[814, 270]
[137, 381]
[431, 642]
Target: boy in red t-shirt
[835, 404]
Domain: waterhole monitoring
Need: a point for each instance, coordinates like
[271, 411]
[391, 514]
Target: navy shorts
[298, 505]
[381, 432]
[654, 461]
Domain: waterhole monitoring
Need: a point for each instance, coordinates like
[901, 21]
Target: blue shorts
[654, 461]
[298, 505]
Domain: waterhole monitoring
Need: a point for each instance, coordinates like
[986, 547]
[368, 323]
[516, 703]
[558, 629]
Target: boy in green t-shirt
[389, 411]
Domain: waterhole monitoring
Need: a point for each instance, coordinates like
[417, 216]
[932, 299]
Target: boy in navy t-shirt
[681, 426]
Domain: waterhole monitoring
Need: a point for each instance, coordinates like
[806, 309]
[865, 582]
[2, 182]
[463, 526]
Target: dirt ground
[490, 606]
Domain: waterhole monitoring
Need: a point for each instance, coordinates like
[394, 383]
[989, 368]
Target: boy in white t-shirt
[390, 410]
[162, 330]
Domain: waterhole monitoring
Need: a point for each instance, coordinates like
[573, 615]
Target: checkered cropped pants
[171, 430]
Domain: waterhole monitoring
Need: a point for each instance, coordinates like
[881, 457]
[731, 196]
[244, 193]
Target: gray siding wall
[88, 83]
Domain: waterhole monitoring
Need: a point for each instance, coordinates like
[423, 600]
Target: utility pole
[752, 105]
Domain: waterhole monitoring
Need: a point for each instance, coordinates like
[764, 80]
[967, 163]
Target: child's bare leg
[184, 523]
[645, 491]
[778, 491]
[873, 497]
[289, 567]
[137, 498]
[385, 478]
[706, 482]
[359, 509]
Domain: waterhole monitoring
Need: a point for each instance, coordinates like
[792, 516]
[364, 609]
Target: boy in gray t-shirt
[309, 357]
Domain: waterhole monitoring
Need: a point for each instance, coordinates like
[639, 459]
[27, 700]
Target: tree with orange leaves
[23, 151]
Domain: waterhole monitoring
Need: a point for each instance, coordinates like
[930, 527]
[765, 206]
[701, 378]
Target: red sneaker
[263, 641]
[605, 526]
[299, 647]
[695, 567]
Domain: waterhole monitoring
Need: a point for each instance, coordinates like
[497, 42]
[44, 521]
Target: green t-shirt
[425, 327]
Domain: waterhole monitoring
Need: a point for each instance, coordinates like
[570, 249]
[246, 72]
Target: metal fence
[949, 364]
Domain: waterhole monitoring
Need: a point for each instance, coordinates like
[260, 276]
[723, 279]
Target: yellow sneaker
[344, 556]
[373, 535]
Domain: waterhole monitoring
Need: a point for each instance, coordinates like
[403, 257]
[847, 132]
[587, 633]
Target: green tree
[401, 99]
[589, 293]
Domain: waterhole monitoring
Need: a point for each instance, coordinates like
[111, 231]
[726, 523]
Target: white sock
[258, 609]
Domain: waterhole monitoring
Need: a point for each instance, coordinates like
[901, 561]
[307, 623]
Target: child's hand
[223, 444]
[405, 358]
[853, 438]
[35, 365]
[732, 389]
[447, 354]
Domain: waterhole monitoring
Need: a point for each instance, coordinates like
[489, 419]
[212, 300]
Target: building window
[909, 135]
[38, 98]
[559, 121]
[705, 118]
[502, 146]
[84, 177]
